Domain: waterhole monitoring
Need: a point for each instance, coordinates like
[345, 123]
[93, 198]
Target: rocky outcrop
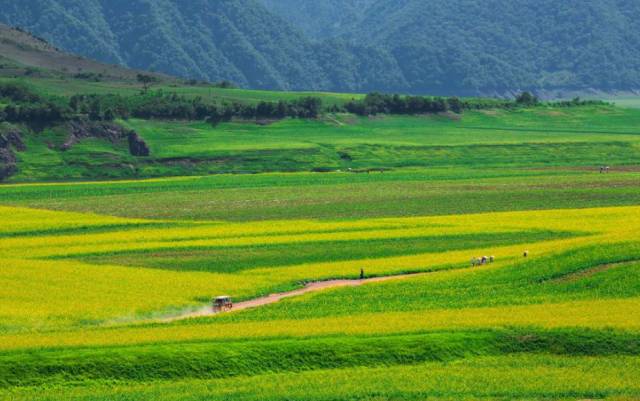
[137, 146]
[8, 165]
[10, 137]
[79, 130]
[10, 140]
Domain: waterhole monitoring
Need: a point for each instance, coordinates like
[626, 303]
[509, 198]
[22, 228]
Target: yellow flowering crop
[39, 290]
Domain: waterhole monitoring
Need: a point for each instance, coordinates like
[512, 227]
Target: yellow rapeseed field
[598, 314]
[43, 283]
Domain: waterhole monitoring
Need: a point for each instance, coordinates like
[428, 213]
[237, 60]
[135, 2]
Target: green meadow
[541, 137]
[71, 86]
[344, 195]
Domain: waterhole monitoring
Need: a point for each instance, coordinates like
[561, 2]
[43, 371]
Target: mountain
[22, 54]
[500, 45]
[488, 46]
[214, 40]
[236, 40]
[321, 19]
[445, 47]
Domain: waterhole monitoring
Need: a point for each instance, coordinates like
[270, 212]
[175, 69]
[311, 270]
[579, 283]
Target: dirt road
[273, 298]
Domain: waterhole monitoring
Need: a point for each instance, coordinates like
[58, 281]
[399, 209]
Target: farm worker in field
[491, 259]
[484, 260]
[361, 274]
[526, 253]
[473, 262]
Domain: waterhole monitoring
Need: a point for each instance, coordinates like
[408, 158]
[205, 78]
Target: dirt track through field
[273, 298]
[586, 273]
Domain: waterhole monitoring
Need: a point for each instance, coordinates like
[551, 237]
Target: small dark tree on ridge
[147, 81]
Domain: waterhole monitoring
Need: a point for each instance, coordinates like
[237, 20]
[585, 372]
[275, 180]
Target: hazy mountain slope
[320, 19]
[75, 26]
[489, 46]
[231, 39]
[22, 54]
[498, 44]
[461, 47]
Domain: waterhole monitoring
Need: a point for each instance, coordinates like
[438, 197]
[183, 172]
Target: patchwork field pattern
[94, 274]
[85, 288]
[110, 256]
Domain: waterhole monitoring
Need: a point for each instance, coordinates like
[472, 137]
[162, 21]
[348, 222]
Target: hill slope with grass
[23, 55]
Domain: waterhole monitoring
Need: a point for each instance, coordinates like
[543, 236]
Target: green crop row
[248, 358]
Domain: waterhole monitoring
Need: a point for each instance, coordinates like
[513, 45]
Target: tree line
[25, 106]
[378, 103]
[160, 105]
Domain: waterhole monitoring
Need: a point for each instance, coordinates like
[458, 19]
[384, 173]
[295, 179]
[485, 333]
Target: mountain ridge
[457, 47]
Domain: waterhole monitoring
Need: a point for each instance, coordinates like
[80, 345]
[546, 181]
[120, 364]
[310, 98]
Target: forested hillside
[496, 44]
[321, 19]
[213, 40]
[441, 47]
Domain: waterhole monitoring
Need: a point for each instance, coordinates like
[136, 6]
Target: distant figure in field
[526, 254]
[483, 260]
[361, 274]
[491, 259]
[601, 169]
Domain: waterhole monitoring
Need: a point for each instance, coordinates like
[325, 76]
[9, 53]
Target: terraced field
[92, 271]
[541, 137]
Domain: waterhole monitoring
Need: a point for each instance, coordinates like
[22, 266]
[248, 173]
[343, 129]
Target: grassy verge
[513, 377]
[335, 196]
[248, 358]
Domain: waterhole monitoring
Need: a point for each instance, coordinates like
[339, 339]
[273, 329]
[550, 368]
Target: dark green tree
[147, 81]
[527, 99]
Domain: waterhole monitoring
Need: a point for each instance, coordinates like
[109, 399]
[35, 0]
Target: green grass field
[71, 86]
[580, 137]
[92, 273]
